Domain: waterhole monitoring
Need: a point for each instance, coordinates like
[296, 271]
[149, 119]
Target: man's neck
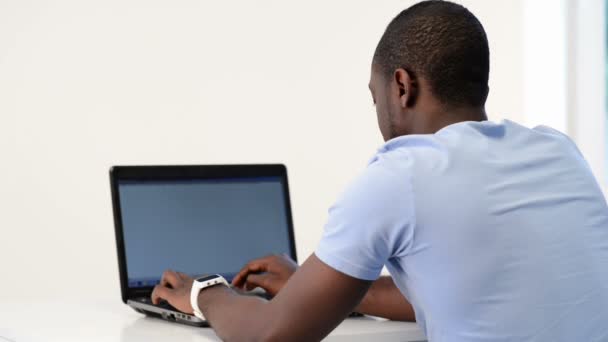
[435, 121]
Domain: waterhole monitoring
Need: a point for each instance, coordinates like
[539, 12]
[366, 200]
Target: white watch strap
[197, 287]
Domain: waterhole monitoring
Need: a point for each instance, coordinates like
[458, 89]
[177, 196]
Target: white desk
[56, 320]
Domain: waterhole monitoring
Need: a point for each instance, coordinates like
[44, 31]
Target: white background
[88, 84]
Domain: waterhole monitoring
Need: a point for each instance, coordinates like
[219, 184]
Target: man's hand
[323, 296]
[269, 273]
[175, 288]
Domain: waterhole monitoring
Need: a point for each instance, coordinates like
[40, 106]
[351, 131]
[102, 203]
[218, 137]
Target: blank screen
[200, 226]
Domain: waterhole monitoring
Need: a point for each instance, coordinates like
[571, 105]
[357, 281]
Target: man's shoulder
[411, 156]
[402, 152]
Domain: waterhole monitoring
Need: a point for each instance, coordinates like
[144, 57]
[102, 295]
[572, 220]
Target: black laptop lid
[197, 220]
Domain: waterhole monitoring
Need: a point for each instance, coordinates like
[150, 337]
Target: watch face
[205, 278]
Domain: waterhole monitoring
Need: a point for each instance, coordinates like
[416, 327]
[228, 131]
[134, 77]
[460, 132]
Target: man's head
[430, 69]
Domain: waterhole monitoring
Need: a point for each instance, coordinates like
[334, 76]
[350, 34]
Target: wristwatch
[202, 283]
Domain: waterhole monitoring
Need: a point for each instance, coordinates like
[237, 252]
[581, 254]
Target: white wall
[565, 73]
[85, 85]
[545, 73]
[587, 82]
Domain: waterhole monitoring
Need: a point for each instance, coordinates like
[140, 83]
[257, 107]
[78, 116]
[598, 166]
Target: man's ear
[407, 87]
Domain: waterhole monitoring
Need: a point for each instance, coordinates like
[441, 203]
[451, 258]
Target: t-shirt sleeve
[370, 222]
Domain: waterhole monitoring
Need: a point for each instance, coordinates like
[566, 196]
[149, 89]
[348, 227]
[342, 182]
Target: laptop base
[166, 314]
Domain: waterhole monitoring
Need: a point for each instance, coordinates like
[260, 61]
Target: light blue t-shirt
[493, 231]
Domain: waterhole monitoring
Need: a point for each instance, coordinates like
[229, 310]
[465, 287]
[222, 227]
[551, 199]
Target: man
[492, 231]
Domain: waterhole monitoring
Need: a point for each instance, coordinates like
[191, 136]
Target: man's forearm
[383, 299]
[238, 317]
[234, 316]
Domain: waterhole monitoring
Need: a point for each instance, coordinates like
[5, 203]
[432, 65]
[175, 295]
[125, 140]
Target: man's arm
[310, 305]
[383, 299]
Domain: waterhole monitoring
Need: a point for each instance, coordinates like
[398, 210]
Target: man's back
[515, 230]
[493, 232]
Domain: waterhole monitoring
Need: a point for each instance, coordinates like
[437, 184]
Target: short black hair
[444, 43]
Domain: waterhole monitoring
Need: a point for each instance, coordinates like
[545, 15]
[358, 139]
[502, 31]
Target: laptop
[196, 219]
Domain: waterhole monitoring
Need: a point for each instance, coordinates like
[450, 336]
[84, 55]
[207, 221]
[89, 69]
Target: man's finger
[161, 292]
[258, 280]
[253, 266]
[170, 279]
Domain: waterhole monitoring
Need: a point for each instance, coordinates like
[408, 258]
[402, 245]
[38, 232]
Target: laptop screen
[200, 226]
